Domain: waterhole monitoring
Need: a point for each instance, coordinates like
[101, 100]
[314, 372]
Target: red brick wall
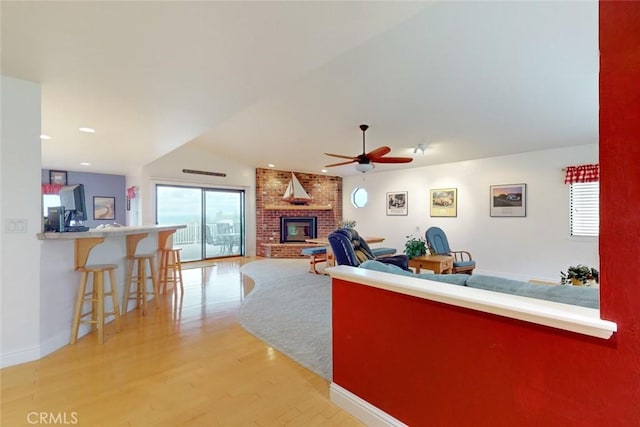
[270, 187]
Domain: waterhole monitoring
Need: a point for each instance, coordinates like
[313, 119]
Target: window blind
[584, 198]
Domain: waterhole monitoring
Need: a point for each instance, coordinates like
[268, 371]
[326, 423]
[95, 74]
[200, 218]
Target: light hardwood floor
[190, 364]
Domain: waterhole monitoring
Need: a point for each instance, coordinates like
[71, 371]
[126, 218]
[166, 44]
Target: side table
[439, 264]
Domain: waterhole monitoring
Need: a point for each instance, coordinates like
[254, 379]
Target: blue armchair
[439, 245]
[351, 249]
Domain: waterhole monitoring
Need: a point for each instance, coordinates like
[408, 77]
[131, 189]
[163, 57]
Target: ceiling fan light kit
[365, 161]
[364, 167]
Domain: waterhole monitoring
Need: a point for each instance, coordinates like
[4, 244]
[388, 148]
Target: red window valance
[582, 173]
[51, 188]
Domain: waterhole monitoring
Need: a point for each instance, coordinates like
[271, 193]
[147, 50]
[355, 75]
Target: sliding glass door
[214, 219]
[224, 220]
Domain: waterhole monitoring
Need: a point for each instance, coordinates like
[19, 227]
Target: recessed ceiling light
[85, 164]
[271, 165]
[87, 130]
[324, 170]
[43, 136]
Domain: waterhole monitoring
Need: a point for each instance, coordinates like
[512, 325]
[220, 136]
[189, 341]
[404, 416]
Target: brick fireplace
[325, 206]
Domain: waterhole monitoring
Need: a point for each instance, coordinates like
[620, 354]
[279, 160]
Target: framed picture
[397, 203]
[444, 202]
[508, 200]
[58, 177]
[104, 207]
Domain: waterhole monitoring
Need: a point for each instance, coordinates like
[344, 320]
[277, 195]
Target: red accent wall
[430, 364]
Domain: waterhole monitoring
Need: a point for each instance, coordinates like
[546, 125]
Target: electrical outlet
[16, 225]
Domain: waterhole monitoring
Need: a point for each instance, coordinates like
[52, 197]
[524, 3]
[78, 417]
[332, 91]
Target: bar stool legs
[137, 273]
[170, 270]
[96, 297]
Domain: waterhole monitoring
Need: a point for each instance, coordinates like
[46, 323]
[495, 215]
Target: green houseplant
[579, 275]
[346, 223]
[415, 246]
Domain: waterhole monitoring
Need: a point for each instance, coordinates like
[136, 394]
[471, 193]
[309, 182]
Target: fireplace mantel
[298, 207]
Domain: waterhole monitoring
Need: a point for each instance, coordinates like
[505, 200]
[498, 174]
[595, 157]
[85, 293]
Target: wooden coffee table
[439, 264]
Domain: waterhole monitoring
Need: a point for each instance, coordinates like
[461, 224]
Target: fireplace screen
[297, 229]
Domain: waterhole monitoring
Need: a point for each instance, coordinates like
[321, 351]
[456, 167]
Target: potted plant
[346, 223]
[579, 275]
[415, 246]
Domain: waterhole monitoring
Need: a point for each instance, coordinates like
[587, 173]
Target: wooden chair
[439, 245]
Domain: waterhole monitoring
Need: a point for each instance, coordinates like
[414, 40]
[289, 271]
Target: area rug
[290, 309]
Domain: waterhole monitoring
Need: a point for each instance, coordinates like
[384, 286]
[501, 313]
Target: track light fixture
[420, 147]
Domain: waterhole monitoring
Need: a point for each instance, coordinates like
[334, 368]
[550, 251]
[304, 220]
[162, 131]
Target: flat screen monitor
[73, 201]
[55, 219]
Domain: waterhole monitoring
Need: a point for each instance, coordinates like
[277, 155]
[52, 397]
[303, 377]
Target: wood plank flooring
[189, 364]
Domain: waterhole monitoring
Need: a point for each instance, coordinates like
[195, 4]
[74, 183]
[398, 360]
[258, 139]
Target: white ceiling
[284, 82]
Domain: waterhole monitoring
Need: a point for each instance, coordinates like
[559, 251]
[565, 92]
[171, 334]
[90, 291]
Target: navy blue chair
[351, 249]
[439, 245]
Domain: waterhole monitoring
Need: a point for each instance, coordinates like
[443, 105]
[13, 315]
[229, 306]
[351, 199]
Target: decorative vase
[576, 282]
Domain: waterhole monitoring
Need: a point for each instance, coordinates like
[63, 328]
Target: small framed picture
[104, 207]
[397, 203]
[508, 200]
[444, 202]
[58, 177]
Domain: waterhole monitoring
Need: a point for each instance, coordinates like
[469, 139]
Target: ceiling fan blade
[377, 153]
[341, 163]
[341, 156]
[392, 160]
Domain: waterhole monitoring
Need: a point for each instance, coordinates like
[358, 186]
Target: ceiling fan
[365, 161]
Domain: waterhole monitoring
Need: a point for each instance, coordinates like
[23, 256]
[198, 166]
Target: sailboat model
[295, 193]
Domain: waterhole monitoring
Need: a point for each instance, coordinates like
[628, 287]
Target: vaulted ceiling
[284, 82]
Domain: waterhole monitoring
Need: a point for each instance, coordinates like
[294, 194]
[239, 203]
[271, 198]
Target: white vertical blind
[584, 200]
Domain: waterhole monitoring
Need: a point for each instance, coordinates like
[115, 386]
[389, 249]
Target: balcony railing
[191, 234]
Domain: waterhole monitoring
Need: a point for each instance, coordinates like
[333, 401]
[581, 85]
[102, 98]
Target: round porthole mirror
[359, 197]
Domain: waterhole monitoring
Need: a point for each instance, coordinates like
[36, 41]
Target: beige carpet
[290, 309]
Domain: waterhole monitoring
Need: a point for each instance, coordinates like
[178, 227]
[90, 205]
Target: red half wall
[430, 364]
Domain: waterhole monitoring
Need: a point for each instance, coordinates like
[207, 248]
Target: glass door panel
[182, 205]
[224, 233]
[214, 219]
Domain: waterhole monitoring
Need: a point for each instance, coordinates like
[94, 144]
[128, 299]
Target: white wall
[536, 246]
[20, 200]
[168, 170]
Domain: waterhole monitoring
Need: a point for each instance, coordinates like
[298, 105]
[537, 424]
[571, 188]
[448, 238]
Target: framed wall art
[508, 200]
[444, 202]
[397, 203]
[104, 207]
[58, 177]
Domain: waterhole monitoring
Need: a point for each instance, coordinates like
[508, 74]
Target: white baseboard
[18, 357]
[361, 409]
[45, 348]
[54, 343]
